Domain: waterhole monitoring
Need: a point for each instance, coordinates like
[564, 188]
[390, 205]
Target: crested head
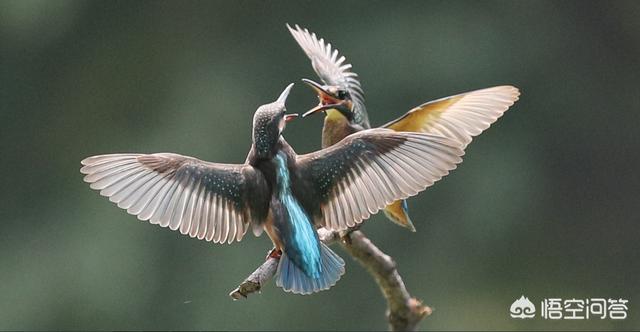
[268, 123]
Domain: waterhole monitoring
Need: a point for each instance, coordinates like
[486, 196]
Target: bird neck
[336, 127]
[335, 115]
[261, 153]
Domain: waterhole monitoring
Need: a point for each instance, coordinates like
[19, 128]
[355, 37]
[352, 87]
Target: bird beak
[316, 109]
[327, 101]
[316, 86]
[290, 117]
[283, 96]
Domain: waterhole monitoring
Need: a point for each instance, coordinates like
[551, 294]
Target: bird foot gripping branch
[274, 253]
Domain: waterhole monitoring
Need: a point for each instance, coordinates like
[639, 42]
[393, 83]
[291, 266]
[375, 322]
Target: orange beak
[326, 100]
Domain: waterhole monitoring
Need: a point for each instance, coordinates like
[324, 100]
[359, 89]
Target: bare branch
[403, 313]
[259, 277]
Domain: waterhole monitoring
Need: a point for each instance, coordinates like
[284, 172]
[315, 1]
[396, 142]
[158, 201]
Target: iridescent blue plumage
[306, 265]
[301, 237]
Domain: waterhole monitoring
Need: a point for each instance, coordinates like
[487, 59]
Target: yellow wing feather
[461, 116]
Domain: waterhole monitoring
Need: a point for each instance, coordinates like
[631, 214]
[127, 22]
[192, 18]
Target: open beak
[326, 100]
[317, 109]
[316, 86]
[290, 117]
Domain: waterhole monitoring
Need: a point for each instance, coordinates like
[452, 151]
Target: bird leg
[345, 236]
[274, 253]
[346, 239]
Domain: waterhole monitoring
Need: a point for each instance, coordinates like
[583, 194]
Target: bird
[276, 191]
[460, 117]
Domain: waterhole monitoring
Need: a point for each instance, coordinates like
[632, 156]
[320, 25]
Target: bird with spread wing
[278, 191]
[459, 117]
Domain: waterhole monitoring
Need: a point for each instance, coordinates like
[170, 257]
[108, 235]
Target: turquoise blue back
[307, 265]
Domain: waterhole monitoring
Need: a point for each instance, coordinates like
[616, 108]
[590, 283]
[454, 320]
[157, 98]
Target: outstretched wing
[209, 201]
[330, 67]
[368, 170]
[461, 116]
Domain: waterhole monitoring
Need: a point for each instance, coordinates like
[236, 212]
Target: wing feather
[370, 169]
[462, 116]
[201, 199]
[195, 223]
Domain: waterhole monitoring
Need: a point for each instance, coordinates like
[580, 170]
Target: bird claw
[345, 236]
[274, 253]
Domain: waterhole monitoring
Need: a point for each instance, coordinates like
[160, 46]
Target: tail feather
[398, 212]
[292, 279]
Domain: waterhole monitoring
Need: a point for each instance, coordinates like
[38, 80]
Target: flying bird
[277, 191]
[459, 117]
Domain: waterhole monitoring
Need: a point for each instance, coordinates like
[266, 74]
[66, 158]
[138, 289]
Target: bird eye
[342, 94]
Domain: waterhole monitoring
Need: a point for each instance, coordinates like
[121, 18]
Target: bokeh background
[545, 204]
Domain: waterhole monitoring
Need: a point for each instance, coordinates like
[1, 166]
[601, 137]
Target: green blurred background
[545, 204]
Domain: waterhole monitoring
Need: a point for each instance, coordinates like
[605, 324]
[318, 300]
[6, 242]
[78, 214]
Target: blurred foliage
[544, 205]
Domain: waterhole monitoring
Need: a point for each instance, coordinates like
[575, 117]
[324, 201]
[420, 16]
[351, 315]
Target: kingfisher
[277, 191]
[459, 117]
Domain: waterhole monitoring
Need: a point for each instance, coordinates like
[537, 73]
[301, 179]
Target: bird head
[269, 122]
[331, 97]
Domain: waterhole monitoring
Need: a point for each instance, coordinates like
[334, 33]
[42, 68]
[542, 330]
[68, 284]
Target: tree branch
[267, 270]
[403, 311]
